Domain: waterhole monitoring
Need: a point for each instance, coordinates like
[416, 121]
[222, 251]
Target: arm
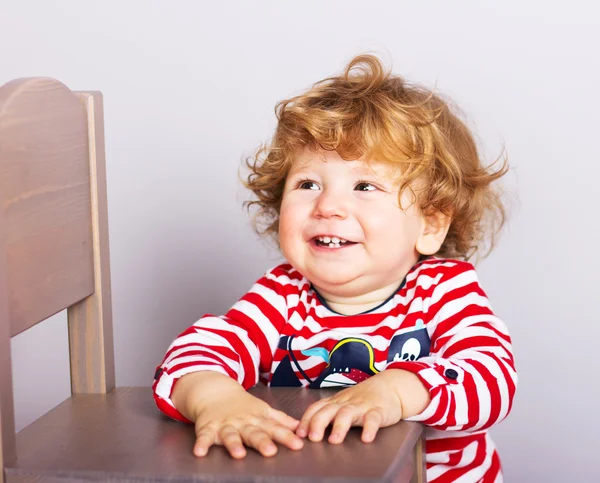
[239, 345]
[206, 370]
[467, 383]
[470, 375]
[225, 414]
[197, 391]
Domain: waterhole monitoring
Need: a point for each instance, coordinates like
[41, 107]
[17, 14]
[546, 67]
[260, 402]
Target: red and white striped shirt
[438, 325]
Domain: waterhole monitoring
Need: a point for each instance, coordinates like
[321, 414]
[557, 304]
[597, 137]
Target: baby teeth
[333, 239]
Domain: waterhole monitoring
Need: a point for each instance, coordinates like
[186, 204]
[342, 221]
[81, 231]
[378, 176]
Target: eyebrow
[358, 168]
[364, 168]
[385, 175]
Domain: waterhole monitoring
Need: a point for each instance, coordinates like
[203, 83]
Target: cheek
[390, 226]
[289, 225]
[380, 219]
[286, 219]
[293, 213]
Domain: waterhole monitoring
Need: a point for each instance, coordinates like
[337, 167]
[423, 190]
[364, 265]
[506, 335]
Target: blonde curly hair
[369, 113]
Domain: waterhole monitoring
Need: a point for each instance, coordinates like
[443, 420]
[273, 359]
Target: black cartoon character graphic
[349, 362]
[410, 345]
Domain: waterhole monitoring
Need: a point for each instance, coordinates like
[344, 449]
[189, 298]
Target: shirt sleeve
[239, 344]
[470, 372]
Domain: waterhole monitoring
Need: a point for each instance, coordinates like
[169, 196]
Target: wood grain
[120, 436]
[90, 321]
[45, 199]
[7, 413]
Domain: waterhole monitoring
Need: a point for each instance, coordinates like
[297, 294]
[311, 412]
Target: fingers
[320, 420]
[283, 419]
[264, 432]
[372, 423]
[257, 438]
[317, 417]
[229, 437]
[344, 420]
[305, 421]
[285, 436]
[261, 436]
[205, 438]
[232, 440]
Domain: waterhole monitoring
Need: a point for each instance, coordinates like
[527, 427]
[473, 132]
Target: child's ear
[434, 231]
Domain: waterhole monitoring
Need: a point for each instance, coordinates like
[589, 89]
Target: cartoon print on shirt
[410, 345]
[349, 362]
[284, 375]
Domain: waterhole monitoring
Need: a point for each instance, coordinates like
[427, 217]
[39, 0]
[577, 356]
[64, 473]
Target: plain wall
[189, 92]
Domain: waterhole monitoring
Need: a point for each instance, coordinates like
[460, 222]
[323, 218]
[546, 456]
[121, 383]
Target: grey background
[189, 91]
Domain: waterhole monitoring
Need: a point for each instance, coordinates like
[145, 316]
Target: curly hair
[368, 113]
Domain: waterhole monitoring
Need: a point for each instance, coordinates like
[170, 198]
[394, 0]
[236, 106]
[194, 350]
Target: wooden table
[132, 441]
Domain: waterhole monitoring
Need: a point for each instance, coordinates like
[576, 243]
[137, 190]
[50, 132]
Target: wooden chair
[54, 251]
[54, 255]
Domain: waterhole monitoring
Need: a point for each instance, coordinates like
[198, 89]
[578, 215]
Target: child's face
[327, 198]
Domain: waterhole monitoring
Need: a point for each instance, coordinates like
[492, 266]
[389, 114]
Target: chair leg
[8, 445]
[420, 475]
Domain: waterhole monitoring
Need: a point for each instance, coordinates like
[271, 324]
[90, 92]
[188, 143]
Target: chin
[337, 281]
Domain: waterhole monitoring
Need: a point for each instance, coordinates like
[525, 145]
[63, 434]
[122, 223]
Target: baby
[375, 192]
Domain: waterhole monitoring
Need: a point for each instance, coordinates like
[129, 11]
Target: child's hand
[225, 414]
[242, 419]
[373, 403]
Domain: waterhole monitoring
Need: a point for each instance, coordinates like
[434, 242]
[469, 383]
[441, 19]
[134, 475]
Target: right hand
[244, 420]
[225, 414]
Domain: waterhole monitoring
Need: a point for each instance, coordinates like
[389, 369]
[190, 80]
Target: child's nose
[331, 205]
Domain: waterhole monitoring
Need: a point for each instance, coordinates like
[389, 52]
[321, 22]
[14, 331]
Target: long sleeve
[470, 372]
[239, 344]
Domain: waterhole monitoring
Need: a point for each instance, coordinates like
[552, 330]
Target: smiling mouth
[331, 242]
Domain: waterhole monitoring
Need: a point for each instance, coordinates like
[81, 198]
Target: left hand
[373, 403]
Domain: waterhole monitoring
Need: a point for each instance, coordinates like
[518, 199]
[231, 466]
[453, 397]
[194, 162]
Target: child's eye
[307, 184]
[364, 186]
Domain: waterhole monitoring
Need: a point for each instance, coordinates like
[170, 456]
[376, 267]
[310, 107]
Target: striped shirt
[438, 325]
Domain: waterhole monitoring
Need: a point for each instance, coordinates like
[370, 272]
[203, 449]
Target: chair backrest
[53, 232]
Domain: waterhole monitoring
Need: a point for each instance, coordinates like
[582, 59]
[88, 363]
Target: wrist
[194, 392]
[412, 393]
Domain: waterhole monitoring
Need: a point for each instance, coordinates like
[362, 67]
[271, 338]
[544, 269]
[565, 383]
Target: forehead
[317, 160]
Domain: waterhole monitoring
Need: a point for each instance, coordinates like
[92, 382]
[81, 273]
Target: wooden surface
[90, 321]
[7, 414]
[53, 231]
[45, 199]
[420, 474]
[121, 436]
